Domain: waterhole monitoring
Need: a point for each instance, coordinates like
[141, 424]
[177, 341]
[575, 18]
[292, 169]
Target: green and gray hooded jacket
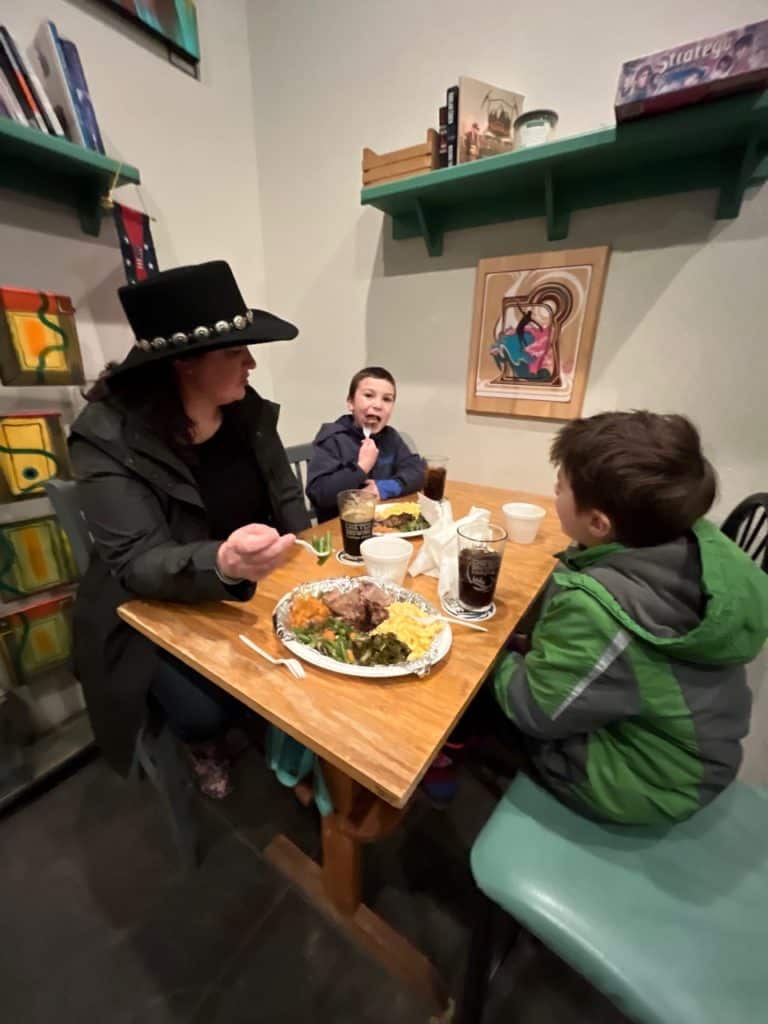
[634, 691]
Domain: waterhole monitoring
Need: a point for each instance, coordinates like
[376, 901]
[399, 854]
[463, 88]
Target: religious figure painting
[533, 329]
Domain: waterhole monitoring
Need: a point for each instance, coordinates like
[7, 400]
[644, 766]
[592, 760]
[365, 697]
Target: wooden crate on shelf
[379, 168]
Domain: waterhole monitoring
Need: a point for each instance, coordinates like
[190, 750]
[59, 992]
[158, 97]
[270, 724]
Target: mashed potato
[411, 625]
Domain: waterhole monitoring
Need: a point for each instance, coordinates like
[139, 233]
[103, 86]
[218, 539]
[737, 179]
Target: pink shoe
[211, 767]
[441, 781]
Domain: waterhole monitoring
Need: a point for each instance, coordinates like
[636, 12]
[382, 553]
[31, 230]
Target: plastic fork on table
[293, 665]
[458, 622]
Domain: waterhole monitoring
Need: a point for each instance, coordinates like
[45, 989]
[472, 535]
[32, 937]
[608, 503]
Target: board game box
[730, 62]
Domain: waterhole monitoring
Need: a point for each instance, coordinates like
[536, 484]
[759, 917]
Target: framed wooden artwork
[33, 448]
[533, 329]
[38, 339]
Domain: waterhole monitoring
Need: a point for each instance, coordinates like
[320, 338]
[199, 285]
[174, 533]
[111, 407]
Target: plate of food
[400, 519]
[361, 627]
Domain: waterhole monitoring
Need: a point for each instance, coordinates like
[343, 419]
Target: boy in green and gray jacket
[633, 697]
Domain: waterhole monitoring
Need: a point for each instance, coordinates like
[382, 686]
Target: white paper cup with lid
[523, 520]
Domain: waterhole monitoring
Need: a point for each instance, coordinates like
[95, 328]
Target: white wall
[193, 142]
[681, 327]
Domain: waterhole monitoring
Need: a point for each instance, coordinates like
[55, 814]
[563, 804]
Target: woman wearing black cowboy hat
[188, 494]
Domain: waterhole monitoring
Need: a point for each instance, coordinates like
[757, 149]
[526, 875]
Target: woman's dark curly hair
[152, 394]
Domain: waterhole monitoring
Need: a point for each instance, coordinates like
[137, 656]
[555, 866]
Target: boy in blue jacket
[343, 458]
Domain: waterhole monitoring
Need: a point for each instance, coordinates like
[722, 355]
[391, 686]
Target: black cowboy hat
[193, 310]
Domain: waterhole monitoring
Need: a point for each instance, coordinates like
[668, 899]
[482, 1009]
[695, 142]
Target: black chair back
[747, 525]
[299, 456]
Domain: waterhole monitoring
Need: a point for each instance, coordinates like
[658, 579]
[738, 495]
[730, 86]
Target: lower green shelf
[720, 145]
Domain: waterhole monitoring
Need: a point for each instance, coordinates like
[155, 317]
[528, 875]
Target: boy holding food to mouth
[360, 449]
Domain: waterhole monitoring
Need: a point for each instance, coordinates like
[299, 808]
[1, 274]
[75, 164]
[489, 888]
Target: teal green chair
[670, 924]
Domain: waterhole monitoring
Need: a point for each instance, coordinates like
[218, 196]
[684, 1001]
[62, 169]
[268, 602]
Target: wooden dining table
[375, 738]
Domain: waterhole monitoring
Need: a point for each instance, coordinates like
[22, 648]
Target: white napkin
[439, 552]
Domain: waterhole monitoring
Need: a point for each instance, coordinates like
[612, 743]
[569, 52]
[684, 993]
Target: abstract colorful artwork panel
[173, 21]
[39, 637]
[38, 339]
[34, 556]
[32, 450]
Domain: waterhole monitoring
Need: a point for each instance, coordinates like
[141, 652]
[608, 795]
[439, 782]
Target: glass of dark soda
[481, 546]
[434, 476]
[356, 511]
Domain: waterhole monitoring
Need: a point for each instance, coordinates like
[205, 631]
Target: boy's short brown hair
[377, 372]
[645, 471]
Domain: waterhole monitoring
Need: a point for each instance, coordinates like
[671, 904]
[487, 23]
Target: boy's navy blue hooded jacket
[333, 466]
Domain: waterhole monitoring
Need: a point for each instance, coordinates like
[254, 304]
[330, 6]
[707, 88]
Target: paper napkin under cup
[433, 510]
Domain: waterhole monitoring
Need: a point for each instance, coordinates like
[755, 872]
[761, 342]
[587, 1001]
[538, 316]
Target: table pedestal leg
[336, 888]
[342, 867]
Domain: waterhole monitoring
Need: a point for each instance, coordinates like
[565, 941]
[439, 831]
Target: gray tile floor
[98, 925]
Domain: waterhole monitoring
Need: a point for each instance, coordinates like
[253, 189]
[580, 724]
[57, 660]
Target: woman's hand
[366, 458]
[252, 552]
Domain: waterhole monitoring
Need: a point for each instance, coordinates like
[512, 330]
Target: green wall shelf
[54, 168]
[719, 145]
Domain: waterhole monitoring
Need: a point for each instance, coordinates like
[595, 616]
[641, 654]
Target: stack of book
[477, 121]
[47, 89]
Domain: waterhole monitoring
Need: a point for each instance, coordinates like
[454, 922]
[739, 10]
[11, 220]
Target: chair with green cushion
[670, 924]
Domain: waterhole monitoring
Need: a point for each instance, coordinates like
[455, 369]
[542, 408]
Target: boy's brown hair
[377, 372]
[645, 471]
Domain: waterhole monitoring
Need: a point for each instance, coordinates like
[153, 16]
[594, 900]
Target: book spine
[42, 116]
[9, 100]
[86, 113]
[442, 145]
[73, 127]
[44, 102]
[17, 83]
[452, 124]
